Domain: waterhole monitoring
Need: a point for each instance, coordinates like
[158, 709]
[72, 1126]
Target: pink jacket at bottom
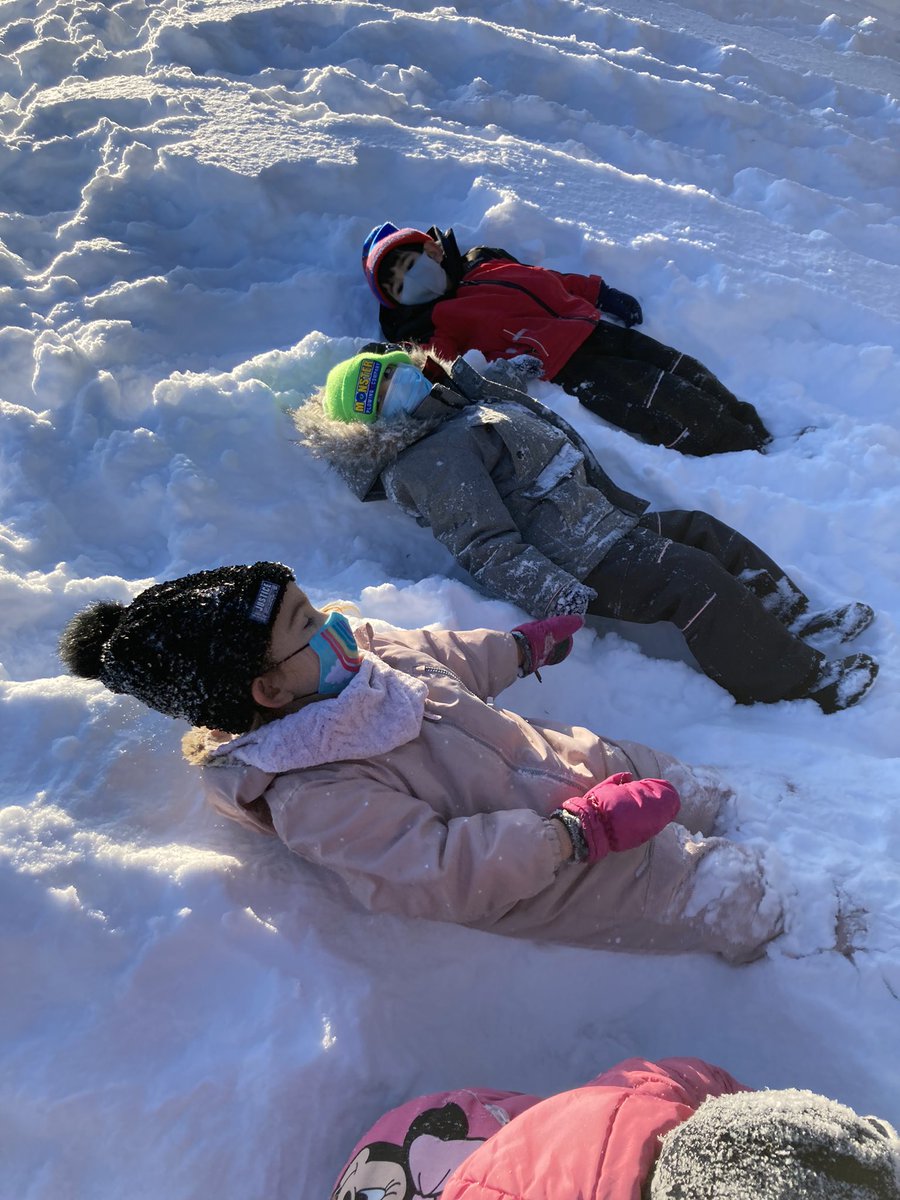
[600, 1140]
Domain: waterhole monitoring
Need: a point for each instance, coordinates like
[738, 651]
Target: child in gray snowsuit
[520, 501]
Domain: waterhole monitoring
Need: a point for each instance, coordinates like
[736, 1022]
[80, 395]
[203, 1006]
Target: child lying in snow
[678, 1129]
[486, 300]
[379, 756]
[519, 499]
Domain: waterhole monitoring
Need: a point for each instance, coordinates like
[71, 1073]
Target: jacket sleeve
[444, 345]
[457, 498]
[395, 854]
[586, 286]
[485, 660]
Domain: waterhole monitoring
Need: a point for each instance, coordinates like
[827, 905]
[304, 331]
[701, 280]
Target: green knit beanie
[351, 389]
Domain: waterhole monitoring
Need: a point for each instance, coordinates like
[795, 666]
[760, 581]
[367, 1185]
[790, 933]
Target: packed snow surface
[187, 1009]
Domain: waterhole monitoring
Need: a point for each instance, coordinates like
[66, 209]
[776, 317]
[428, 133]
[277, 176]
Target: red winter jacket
[599, 1141]
[506, 308]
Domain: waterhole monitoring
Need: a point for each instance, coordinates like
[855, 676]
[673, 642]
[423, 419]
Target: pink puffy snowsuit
[443, 812]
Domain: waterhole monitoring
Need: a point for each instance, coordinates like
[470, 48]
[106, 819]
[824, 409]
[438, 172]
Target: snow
[187, 1010]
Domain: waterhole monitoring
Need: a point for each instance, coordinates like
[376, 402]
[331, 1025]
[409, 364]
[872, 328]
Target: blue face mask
[403, 392]
[339, 658]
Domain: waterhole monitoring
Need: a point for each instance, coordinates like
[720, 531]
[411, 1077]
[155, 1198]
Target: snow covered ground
[187, 1010]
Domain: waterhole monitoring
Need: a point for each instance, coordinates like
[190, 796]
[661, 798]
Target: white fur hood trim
[358, 452]
[380, 709]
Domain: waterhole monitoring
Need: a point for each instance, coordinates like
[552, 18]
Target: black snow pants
[663, 396]
[730, 601]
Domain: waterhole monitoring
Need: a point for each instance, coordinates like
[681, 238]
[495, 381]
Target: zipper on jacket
[489, 700]
[517, 287]
[450, 674]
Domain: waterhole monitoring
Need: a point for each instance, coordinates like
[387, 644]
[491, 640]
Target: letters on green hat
[352, 388]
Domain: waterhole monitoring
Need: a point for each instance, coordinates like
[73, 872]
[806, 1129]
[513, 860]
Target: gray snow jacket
[510, 489]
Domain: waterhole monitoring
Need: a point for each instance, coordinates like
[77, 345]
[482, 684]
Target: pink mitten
[546, 643]
[621, 813]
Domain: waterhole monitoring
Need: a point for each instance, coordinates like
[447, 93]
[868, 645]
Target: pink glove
[545, 643]
[619, 814]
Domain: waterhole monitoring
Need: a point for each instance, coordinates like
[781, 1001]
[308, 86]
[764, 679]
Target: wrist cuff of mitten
[575, 829]
[527, 667]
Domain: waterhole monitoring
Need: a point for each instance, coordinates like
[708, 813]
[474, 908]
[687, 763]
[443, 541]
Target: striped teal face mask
[339, 658]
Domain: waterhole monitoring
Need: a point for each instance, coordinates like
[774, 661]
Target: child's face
[296, 667]
[403, 260]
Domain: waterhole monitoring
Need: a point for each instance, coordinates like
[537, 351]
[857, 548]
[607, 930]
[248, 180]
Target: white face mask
[405, 391]
[424, 280]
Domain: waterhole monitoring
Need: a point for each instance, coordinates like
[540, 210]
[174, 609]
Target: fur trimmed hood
[361, 452]
[358, 452]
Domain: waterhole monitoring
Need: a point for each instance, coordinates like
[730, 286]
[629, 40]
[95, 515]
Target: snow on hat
[380, 241]
[189, 648]
[778, 1145]
[351, 389]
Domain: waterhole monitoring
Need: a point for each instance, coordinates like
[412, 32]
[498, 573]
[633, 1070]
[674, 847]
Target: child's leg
[735, 639]
[740, 557]
[678, 893]
[614, 341]
[618, 390]
[710, 894]
[701, 377]
[659, 394]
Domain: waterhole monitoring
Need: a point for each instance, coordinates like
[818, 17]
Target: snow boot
[842, 624]
[844, 683]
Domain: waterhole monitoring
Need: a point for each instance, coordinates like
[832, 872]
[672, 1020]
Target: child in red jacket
[671, 1130]
[486, 300]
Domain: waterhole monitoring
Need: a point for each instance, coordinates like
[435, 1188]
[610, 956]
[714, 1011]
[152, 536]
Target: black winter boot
[844, 683]
[841, 624]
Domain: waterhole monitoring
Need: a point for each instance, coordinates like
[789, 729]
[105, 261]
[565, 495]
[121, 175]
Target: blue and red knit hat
[380, 241]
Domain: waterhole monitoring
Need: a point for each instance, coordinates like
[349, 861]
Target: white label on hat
[262, 605]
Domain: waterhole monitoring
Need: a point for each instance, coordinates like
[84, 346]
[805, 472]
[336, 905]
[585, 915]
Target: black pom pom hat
[191, 647]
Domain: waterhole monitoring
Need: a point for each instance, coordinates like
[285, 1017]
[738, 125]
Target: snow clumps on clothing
[778, 1145]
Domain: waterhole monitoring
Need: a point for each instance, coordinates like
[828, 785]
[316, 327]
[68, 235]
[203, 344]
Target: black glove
[621, 305]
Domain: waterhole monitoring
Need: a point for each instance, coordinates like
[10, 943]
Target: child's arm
[444, 346]
[395, 854]
[610, 301]
[457, 498]
[484, 660]
[487, 661]
[586, 286]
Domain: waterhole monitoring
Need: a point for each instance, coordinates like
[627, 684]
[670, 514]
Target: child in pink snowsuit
[381, 756]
